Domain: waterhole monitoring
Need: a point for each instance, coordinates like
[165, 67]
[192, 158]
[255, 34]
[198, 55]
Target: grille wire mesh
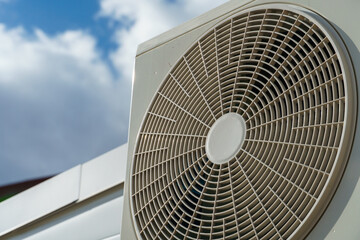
[282, 74]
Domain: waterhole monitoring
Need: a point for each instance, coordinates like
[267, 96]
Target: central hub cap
[225, 138]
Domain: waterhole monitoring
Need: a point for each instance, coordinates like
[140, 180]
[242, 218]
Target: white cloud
[148, 18]
[39, 54]
[60, 104]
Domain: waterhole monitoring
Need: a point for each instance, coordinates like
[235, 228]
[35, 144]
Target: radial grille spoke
[284, 76]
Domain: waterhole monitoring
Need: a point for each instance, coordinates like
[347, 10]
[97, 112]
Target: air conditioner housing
[156, 57]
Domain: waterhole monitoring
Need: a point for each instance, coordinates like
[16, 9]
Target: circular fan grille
[283, 74]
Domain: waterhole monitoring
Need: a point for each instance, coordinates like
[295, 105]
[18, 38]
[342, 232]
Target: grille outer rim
[349, 122]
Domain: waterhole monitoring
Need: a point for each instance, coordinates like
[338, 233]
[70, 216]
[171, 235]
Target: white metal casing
[340, 218]
[84, 202]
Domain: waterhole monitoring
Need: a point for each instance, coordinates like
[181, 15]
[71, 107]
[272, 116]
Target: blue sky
[65, 77]
[50, 15]
[54, 16]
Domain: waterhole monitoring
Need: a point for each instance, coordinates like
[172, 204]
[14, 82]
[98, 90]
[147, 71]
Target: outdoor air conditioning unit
[243, 125]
